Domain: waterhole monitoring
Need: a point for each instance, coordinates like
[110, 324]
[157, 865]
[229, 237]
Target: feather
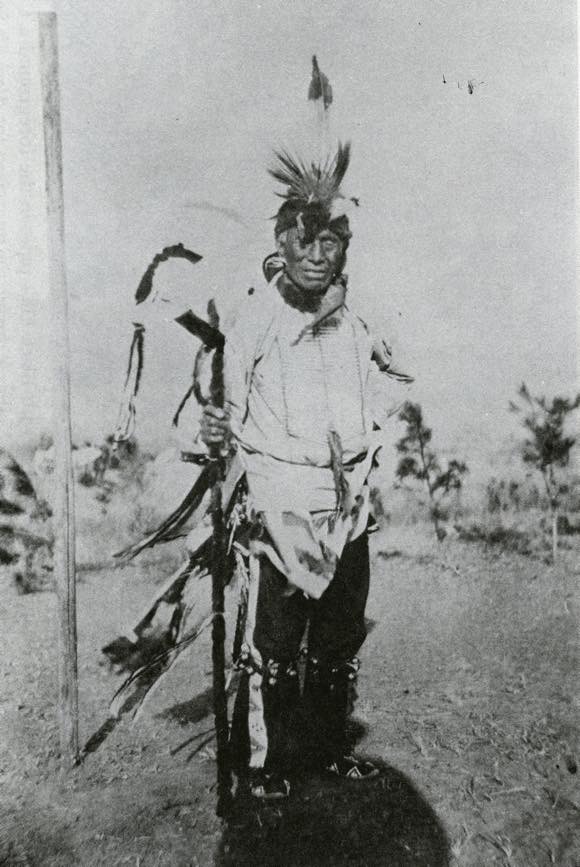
[133, 691]
[320, 87]
[320, 182]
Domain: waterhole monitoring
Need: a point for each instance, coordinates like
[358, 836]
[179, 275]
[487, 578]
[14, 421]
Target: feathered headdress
[314, 183]
[313, 195]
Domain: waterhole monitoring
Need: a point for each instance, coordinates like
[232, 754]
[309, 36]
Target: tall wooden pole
[63, 500]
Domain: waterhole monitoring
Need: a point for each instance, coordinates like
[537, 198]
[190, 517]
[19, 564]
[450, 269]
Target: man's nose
[315, 252]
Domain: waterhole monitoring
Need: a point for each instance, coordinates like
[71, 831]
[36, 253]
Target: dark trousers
[337, 623]
[336, 631]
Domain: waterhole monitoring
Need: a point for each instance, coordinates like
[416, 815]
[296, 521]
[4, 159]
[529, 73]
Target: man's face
[311, 266]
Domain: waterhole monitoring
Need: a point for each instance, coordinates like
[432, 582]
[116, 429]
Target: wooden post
[63, 500]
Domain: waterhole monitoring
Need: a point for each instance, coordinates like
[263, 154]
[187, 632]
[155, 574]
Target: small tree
[419, 462]
[547, 448]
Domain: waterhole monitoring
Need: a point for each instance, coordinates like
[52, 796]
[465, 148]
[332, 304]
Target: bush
[508, 538]
[547, 446]
[418, 462]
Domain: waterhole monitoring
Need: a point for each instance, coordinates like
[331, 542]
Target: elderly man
[297, 413]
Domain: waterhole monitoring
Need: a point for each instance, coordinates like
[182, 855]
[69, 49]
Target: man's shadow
[329, 821]
[332, 821]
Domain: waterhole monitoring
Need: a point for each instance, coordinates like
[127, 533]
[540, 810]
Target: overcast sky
[464, 242]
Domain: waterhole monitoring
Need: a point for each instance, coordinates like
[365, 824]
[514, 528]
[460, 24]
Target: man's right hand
[215, 426]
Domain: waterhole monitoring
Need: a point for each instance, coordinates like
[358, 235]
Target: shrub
[547, 447]
[419, 462]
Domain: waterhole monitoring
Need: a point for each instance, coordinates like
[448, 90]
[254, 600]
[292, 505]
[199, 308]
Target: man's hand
[215, 426]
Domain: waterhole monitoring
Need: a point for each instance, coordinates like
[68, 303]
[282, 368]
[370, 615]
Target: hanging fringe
[131, 694]
[134, 690]
[153, 635]
[212, 339]
[127, 413]
[182, 403]
[125, 427]
[196, 388]
[170, 527]
[158, 645]
[382, 356]
[336, 462]
[171, 594]
[137, 346]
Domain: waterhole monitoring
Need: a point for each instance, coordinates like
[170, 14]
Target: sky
[464, 244]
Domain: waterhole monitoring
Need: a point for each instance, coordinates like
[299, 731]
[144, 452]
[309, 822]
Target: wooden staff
[63, 504]
[218, 571]
[213, 339]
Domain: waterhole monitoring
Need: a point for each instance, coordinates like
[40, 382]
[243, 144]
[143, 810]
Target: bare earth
[468, 698]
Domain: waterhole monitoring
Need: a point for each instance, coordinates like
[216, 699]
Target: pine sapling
[547, 447]
[419, 462]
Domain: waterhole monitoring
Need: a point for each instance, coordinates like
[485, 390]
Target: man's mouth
[312, 274]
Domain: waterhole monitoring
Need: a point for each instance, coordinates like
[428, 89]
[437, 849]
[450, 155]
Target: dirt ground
[469, 701]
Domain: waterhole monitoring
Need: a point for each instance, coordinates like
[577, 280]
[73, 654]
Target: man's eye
[329, 244]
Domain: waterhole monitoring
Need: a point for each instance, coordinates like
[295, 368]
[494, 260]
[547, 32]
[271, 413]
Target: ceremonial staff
[213, 474]
[213, 339]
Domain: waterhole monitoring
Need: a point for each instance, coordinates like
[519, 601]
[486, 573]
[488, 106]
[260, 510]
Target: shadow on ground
[326, 821]
[193, 711]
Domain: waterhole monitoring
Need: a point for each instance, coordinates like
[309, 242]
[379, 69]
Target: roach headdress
[313, 200]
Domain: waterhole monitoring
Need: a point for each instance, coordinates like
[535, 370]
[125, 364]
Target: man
[297, 413]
